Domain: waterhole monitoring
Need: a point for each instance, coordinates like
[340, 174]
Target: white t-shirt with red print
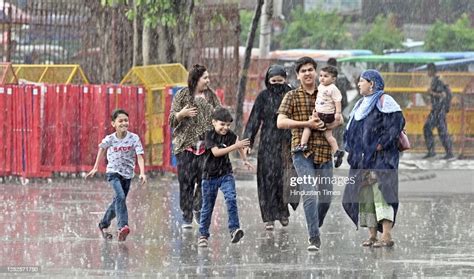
[121, 153]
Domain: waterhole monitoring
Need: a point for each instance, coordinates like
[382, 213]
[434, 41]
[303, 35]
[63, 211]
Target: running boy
[218, 174]
[328, 108]
[121, 148]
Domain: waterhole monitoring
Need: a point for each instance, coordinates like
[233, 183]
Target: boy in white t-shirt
[122, 147]
[328, 109]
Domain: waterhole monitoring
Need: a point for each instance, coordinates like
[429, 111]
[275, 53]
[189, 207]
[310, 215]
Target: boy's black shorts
[327, 118]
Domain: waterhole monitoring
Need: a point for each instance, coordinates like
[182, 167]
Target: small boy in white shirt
[328, 108]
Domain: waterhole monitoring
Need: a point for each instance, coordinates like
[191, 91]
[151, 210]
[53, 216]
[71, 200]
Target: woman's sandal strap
[369, 242]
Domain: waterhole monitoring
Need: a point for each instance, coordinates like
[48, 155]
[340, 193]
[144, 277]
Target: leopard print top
[191, 129]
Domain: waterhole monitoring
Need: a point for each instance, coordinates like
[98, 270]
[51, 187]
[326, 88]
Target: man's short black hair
[303, 61]
[431, 67]
[330, 70]
[332, 61]
[222, 114]
[117, 112]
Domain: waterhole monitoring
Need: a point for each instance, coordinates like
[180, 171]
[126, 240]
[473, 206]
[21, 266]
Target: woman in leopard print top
[190, 118]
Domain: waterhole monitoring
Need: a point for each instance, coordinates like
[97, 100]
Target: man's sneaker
[269, 226]
[123, 232]
[429, 155]
[202, 242]
[105, 233]
[314, 243]
[187, 225]
[338, 155]
[236, 235]
[197, 217]
[449, 157]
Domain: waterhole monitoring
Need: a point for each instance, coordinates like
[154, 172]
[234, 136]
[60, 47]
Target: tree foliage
[458, 36]
[383, 35]
[315, 29]
[245, 24]
[154, 12]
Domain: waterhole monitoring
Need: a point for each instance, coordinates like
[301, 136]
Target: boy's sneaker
[314, 243]
[300, 148]
[202, 242]
[236, 235]
[449, 157]
[197, 217]
[105, 233]
[429, 155]
[338, 155]
[187, 225]
[123, 232]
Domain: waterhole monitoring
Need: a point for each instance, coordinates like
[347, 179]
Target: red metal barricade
[57, 128]
[20, 131]
[5, 127]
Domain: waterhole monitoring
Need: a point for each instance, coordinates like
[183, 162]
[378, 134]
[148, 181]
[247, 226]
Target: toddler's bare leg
[331, 140]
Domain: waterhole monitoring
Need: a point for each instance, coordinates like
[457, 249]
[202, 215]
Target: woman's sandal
[269, 226]
[284, 221]
[369, 242]
[383, 243]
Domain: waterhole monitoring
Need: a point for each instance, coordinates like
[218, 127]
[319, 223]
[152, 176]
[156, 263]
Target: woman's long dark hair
[195, 74]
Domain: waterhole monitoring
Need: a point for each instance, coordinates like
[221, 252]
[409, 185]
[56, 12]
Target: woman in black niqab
[274, 158]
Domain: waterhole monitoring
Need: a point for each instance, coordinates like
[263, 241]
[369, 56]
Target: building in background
[344, 7]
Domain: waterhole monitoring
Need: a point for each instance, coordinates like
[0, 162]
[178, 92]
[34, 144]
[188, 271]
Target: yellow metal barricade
[7, 75]
[417, 82]
[410, 89]
[155, 78]
[59, 74]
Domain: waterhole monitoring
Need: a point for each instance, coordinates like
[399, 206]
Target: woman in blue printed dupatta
[371, 139]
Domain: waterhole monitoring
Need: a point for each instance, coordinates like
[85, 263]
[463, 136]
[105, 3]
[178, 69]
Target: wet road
[54, 227]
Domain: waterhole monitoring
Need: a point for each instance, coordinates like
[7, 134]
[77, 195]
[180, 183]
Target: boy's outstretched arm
[141, 166]
[100, 154]
[219, 152]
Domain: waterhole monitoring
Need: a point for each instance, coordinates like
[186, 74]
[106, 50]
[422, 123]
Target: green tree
[245, 24]
[458, 36]
[383, 35]
[315, 29]
[165, 28]
[155, 12]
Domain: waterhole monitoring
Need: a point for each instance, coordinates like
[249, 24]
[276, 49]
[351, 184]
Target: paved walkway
[54, 227]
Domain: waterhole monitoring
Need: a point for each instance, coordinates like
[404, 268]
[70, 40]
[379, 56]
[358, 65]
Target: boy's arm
[100, 154]
[337, 98]
[338, 113]
[337, 116]
[141, 166]
[219, 152]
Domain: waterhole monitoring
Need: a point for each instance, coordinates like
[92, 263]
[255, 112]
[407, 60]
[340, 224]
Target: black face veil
[275, 70]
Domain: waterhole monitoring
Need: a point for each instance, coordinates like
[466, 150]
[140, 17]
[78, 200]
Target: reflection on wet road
[54, 226]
